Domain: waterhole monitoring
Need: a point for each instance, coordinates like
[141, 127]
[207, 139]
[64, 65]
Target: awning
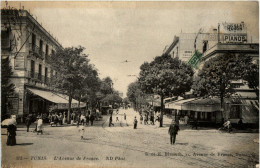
[196, 104]
[48, 95]
[178, 104]
[61, 100]
[245, 95]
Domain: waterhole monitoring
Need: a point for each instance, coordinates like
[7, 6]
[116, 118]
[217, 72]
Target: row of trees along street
[167, 77]
[79, 79]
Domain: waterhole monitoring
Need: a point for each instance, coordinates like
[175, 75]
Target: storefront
[42, 102]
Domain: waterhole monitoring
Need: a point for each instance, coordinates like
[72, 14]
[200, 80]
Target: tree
[135, 95]
[126, 101]
[68, 63]
[88, 82]
[252, 77]
[106, 86]
[215, 77]
[7, 87]
[165, 76]
[112, 99]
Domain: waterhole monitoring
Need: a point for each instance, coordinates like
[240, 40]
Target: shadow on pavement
[24, 144]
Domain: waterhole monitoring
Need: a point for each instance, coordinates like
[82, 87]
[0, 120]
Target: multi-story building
[227, 38]
[184, 45]
[28, 46]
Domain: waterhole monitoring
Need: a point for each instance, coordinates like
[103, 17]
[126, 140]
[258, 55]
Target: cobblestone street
[121, 146]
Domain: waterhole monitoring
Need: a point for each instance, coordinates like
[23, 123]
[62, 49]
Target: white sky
[113, 32]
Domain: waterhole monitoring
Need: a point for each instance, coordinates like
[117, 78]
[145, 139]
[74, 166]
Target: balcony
[36, 51]
[38, 77]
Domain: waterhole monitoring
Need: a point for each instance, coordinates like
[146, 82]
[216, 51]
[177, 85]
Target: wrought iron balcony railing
[36, 51]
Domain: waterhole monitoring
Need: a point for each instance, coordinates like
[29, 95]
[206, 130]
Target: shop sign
[235, 38]
[73, 105]
[234, 27]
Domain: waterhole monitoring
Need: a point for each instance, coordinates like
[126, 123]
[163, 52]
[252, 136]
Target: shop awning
[178, 104]
[48, 95]
[196, 104]
[61, 100]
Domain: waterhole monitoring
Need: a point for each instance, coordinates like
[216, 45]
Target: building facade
[28, 46]
[227, 38]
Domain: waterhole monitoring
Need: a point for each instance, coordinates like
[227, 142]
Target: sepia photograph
[129, 84]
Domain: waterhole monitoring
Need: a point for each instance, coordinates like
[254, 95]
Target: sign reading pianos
[234, 32]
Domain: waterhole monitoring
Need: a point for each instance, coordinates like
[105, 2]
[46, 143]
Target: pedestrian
[78, 119]
[186, 119]
[240, 124]
[81, 131]
[145, 119]
[141, 119]
[87, 119]
[173, 131]
[64, 118]
[110, 121]
[227, 125]
[39, 125]
[60, 118]
[195, 124]
[135, 123]
[11, 133]
[56, 119]
[124, 116]
[28, 122]
[82, 119]
[73, 118]
[92, 117]
[152, 119]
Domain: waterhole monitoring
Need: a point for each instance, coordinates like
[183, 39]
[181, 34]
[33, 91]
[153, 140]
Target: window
[205, 46]
[177, 52]
[47, 50]
[41, 44]
[40, 72]
[5, 40]
[173, 54]
[33, 41]
[32, 68]
[235, 111]
[46, 75]
[52, 52]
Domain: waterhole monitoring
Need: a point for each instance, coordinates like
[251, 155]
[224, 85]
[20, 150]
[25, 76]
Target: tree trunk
[222, 105]
[79, 102]
[162, 111]
[70, 100]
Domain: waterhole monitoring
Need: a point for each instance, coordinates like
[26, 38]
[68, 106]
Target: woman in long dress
[11, 133]
[39, 126]
[64, 118]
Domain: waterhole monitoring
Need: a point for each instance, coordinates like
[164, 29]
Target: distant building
[121, 94]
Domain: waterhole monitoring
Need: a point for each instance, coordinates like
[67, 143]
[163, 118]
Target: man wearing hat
[173, 131]
[135, 123]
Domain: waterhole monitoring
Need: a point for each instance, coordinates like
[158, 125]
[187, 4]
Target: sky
[113, 32]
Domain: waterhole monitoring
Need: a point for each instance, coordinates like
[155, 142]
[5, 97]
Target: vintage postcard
[129, 84]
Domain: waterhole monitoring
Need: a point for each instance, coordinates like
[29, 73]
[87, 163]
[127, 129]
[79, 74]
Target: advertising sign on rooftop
[233, 32]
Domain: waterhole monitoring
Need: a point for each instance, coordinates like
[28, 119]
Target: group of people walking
[39, 123]
[56, 119]
[150, 118]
